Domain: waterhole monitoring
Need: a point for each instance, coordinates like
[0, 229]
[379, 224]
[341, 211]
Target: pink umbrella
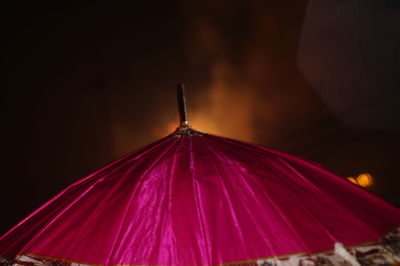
[198, 199]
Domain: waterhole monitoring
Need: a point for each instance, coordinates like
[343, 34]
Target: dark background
[84, 83]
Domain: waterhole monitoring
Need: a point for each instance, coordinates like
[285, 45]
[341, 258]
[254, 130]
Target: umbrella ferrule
[184, 128]
[183, 119]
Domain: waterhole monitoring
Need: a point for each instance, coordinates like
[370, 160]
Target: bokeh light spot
[352, 180]
[363, 180]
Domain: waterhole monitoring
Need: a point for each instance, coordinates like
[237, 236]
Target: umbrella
[198, 199]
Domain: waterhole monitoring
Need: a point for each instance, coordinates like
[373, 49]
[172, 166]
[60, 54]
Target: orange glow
[162, 131]
[171, 126]
[363, 180]
[228, 107]
[352, 180]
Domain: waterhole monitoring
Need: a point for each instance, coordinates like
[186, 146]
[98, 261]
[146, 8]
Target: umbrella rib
[349, 212]
[29, 243]
[114, 248]
[226, 193]
[123, 160]
[283, 160]
[75, 186]
[103, 199]
[283, 216]
[200, 214]
[292, 169]
[170, 183]
[68, 189]
[286, 157]
[343, 206]
[169, 189]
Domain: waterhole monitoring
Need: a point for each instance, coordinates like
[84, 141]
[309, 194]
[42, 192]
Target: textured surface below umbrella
[198, 199]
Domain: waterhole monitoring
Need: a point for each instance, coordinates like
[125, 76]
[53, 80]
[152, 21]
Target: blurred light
[165, 130]
[363, 180]
[352, 180]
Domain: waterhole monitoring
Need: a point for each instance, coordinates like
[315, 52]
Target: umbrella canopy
[198, 199]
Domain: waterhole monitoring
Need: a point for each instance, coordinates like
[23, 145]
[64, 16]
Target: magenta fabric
[201, 200]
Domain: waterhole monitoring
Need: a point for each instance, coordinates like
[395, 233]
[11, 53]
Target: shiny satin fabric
[201, 200]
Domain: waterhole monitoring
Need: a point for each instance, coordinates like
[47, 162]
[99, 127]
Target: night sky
[85, 83]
